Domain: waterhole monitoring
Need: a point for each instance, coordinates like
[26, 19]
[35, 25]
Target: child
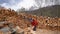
[34, 24]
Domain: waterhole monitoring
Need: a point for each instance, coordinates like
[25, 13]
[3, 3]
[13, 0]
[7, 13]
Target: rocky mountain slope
[51, 11]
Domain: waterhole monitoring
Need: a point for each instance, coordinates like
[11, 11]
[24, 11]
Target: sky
[17, 4]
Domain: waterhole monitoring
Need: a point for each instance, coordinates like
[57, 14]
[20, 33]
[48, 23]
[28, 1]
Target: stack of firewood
[9, 16]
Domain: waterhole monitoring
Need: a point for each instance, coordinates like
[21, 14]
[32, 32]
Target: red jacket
[34, 23]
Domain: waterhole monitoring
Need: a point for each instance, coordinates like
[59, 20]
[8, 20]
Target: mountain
[52, 11]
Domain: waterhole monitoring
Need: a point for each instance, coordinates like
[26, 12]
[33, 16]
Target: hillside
[51, 11]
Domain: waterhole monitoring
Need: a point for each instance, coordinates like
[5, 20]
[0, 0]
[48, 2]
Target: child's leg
[34, 29]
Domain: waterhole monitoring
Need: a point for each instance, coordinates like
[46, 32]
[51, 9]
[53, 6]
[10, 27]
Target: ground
[44, 31]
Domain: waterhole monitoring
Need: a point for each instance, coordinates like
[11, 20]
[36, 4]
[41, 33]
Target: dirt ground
[44, 31]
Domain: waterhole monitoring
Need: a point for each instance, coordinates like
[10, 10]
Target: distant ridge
[51, 11]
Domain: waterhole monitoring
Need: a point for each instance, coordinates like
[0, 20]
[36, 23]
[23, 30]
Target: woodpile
[1, 32]
[9, 16]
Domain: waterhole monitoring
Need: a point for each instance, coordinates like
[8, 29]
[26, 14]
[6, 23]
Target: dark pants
[34, 29]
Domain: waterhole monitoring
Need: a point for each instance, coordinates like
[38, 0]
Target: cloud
[27, 3]
[13, 4]
[10, 4]
[17, 4]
